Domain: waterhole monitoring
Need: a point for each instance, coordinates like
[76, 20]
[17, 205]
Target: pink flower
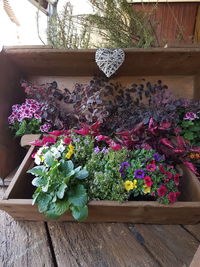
[162, 190]
[172, 197]
[48, 140]
[148, 181]
[176, 179]
[151, 167]
[45, 127]
[162, 170]
[190, 116]
[67, 141]
[169, 175]
[114, 145]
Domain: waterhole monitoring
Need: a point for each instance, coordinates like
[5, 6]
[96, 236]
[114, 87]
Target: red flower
[162, 170]
[33, 155]
[169, 175]
[166, 180]
[153, 162]
[67, 141]
[148, 181]
[162, 190]
[151, 167]
[176, 179]
[114, 146]
[172, 197]
[178, 194]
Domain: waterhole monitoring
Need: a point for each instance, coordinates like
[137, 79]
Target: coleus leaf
[181, 141]
[191, 167]
[166, 142]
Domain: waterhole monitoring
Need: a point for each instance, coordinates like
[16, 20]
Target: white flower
[61, 148]
[37, 159]
[55, 152]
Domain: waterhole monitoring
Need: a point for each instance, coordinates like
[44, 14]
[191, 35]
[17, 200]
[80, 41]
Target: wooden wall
[174, 22]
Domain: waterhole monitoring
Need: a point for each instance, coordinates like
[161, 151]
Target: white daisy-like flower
[61, 148]
[37, 159]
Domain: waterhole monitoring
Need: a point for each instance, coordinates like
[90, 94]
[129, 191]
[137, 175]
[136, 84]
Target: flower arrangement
[26, 118]
[76, 166]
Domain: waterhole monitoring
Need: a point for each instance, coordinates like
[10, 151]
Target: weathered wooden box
[178, 68]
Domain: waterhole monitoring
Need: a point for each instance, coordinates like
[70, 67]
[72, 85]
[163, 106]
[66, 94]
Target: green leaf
[43, 200]
[61, 191]
[189, 135]
[49, 159]
[22, 128]
[78, 196]
[82, 174]
[38, 171]
[67, 166]
[38, 181]
[56, 209]
[79, 214]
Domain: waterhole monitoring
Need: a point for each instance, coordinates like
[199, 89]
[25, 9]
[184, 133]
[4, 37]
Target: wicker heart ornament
[109, 60]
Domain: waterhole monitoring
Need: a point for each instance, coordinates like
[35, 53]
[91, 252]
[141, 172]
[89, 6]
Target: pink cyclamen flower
[190, 116]
[45, 127]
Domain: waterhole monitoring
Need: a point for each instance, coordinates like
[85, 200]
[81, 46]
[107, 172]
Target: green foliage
[118, 24]
[190, 131]
[64, 30]
[27, 126]
[104, 181]
[113, 24]
[59, 185]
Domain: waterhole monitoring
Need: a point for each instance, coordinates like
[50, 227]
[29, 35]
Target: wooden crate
[177, 67]
[18, 203]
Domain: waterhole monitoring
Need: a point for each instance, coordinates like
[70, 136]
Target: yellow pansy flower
[128, 185]
[147, 189]
[71, 147]
[69, 154]
[134, 183]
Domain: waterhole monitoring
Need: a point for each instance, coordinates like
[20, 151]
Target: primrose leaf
[78, 196]
[79, 214]
[49, 159]
[61, 191]
[38, 181]
[82, 174]
[56, 209]
[38, 171]
[43, 200]
[67, 166]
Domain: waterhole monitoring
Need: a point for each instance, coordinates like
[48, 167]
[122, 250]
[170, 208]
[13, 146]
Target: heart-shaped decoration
[109, 60]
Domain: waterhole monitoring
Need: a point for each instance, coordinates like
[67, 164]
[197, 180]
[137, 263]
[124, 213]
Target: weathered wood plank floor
[30, 244]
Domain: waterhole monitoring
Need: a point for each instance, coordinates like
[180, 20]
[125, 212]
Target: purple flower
[139, 174]
[125, 165]
[190, 116]
[45, 127]
[158, 157]
[122, 172]
[104, 150]
[96, 149]
[86, 142]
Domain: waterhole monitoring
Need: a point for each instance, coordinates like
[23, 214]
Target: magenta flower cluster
[30, 109]
[190, 116]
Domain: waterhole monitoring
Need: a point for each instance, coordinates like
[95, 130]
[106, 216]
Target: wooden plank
[194, 230]
[97, 245]
[28, 138]
[196, 260]
[14, 186]
[23, 243]
[61, 62]
[170, 245]
[10, 151]
[197, 27]
[111, 211]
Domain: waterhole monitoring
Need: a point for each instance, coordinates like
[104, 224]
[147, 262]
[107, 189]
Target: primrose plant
[59, 181]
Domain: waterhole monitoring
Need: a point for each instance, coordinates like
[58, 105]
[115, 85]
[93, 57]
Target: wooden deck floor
[30, 244]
